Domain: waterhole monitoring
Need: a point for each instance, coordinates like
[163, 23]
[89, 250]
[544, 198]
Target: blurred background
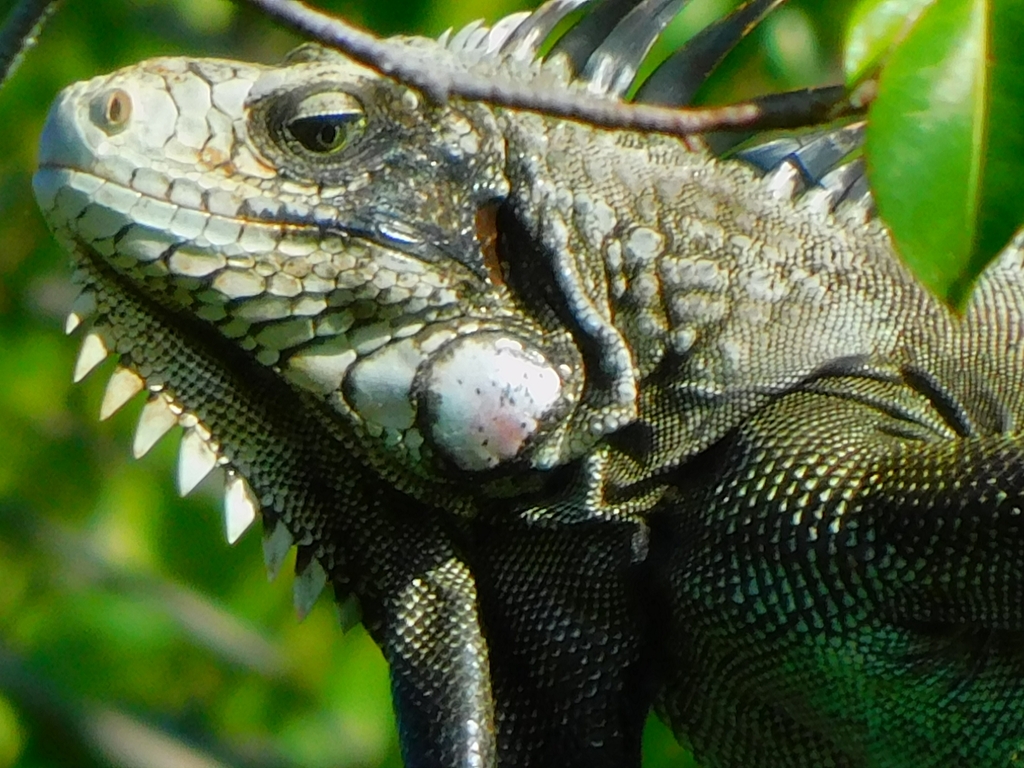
[131, 634]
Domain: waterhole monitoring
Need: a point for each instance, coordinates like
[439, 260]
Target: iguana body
[586, 420]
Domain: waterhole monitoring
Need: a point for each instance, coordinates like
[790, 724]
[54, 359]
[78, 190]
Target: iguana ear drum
[483, 397]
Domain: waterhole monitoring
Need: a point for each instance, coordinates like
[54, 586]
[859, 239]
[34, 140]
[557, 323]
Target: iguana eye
[323, 134]
[325, 123]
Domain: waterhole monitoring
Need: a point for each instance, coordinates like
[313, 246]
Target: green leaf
[875, 27]
[944, 145]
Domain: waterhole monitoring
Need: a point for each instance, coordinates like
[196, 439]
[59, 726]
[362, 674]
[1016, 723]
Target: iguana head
[327, 225]
[307, 267]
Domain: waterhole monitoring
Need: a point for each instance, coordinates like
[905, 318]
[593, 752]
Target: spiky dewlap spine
[152, 356]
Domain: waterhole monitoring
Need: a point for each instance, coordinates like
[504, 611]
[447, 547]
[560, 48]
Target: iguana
[587, 420]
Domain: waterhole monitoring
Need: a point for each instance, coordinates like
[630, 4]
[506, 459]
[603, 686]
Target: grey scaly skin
[586, 420]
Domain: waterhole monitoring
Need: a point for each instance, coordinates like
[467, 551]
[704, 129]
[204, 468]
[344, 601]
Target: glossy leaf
[875, 27]
[945, 149]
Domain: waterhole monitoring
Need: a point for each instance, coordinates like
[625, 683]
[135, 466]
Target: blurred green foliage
[130, 633]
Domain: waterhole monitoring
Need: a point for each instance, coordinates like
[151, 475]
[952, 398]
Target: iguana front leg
[427, 623]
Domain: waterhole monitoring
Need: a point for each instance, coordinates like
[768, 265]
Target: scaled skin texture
[588, 421]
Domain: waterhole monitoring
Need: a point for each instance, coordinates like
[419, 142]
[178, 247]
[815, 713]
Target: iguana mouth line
[284, 225]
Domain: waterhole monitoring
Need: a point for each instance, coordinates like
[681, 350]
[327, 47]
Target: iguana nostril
[111, 110]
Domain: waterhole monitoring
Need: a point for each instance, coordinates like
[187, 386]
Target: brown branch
[439, 85]
[19, 32]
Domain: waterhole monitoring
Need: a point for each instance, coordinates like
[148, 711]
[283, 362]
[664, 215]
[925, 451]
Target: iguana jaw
[341, 283]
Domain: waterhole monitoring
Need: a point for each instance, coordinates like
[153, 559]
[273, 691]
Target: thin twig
[439, 85]
[19, 32]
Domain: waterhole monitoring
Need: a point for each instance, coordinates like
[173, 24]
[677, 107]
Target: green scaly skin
[717, 451]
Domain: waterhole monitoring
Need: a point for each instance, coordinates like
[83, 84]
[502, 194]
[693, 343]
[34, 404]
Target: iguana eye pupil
[323, 134]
